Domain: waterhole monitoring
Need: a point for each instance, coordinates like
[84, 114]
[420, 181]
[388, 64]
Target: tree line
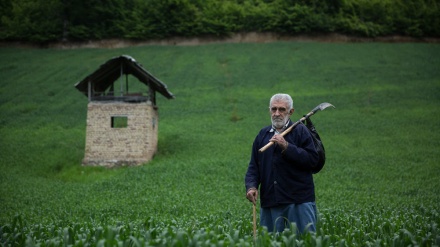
[43, 21]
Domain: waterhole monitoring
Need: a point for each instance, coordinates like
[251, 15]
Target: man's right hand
[252, 195]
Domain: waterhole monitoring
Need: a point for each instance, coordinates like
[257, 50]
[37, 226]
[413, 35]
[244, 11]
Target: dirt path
[251, 37]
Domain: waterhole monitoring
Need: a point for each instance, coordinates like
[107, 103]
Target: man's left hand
[279, 140]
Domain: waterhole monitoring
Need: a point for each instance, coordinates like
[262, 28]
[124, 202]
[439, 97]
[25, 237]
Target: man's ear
[291, 111]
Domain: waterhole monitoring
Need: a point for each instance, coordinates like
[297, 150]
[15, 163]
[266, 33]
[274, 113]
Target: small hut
[122, 117]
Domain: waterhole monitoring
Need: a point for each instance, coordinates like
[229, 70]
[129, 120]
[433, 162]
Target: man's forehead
[279, 103]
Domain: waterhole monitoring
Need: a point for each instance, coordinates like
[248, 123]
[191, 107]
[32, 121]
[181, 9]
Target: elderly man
[283, 172]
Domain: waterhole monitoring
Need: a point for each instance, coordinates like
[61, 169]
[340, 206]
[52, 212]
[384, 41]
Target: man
[283, 172]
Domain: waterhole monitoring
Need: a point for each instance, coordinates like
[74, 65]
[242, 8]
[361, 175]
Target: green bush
[55, 20]
[34, 21]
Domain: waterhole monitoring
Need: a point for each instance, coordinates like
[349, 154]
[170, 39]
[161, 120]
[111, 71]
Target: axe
[320, 107]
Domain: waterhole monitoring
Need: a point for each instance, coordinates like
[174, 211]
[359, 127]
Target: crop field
[380, 185]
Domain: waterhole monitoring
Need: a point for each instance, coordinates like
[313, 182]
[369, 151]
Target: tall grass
[379, 186]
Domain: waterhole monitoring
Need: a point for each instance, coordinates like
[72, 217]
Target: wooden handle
[254, 210]
[282, 134]
[286, 131]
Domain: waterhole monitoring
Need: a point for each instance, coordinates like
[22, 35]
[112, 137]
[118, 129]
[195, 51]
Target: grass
[379, 185]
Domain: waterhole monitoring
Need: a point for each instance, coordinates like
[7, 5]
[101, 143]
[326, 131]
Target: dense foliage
[78, 20]
[379, 186]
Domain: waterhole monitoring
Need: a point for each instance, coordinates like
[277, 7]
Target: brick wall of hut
[134, 144]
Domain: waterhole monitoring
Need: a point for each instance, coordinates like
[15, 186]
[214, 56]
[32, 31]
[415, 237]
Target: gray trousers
[278, 218]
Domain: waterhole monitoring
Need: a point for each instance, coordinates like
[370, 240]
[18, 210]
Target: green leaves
[42, 21]
[371, 227]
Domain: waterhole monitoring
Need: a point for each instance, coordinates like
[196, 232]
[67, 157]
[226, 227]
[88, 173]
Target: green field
[380, 185]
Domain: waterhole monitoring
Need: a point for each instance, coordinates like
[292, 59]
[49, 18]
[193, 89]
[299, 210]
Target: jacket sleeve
[252, 178]
[301, 150]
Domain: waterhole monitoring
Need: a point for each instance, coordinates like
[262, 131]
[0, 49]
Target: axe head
[322, 106]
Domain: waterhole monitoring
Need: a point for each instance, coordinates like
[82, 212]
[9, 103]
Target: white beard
[278, 123]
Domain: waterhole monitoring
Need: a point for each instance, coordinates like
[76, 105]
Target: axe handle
[254, 213]
[268, 145]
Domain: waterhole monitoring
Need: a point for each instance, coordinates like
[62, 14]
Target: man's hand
[278, 139]
[252, 195]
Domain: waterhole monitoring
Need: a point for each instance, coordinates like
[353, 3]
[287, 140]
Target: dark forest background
[43, 21]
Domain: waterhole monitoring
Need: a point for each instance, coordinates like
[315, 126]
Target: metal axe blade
[322, 106]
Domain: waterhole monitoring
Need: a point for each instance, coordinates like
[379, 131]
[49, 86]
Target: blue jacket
[284, 178]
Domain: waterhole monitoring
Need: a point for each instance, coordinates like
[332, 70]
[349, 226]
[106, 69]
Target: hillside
[247, 37]
[378, 187]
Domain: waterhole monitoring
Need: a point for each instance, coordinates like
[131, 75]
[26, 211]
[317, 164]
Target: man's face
[280, 114]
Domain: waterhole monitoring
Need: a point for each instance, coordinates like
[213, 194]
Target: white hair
[282, 97]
